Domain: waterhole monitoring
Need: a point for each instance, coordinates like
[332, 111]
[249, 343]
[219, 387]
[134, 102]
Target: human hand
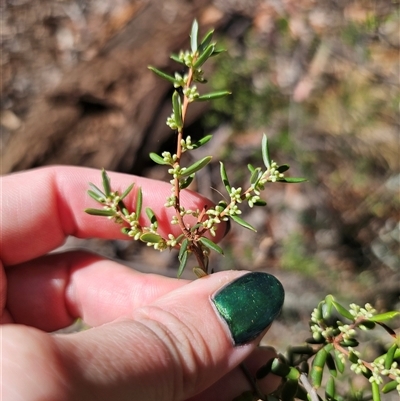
[153, 338]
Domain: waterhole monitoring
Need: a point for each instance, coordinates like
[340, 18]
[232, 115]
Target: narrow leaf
[342, 310]
[317, 368]
[218, 51]
[212, 96]
[384, 316]
[265, 152]
[150, 214]
[127, 191]
[100, 212]
[292, 180]
[183, 248]
[330, 363]
[289, 390]
[150, 237]
[212, 245]
[193, 36]
[243, 223]
[177, 108]
[388, 387]
[97, 190]
[251, 168]
[390, 356]
[255, 176]
[224, 177]
[260, 202]
[196, 166]
[176, 58]
[163, 75]
[327, 307]
[106, 182]
[202, 141]
[157, 159]
[185, 183]
[139, 201]
[376, 394]
[95, 196]
[330, 389]
[199, 272]
[204, 56]
[284, 167]
[182, 263]
[206, 40]
[339, 363]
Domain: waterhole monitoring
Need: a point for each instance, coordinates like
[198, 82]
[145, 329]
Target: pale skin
[153, 338]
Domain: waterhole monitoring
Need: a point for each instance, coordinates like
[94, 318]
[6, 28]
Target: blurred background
[320, 78]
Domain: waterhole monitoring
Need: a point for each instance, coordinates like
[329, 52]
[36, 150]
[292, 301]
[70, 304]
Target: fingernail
[249, 305]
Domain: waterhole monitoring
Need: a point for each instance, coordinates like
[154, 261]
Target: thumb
[176, 347]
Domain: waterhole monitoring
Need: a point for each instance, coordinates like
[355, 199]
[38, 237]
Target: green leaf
[280, 368]
[384, 316]
[243, 223]
[157, 159]
[224, 177]
[339, 364]
[97, 190]
[260, 202]
[199, 272]
[100, 212]
[176, 58]
[151, 237]
[202, 141]
[342, 310]
[327, 307]
[330, 389]
[204, 56]
[186, 182]
[284, 167]
[212, 96]
[106, 182]
[330, 363]
[292, 180]
[206, 40]
[96, 197]
[193, 36]
[163, 75]
[388, 387]
[265, 151]
[255, 177]
[182, 262]
[177, 108]
[376, 394]
[289, 390]
[183, 248]
[251, 168]
[150, 214]
[390, 355]
[127, 191]
[139, 201]
[217, 52]
[196, 166]
[317, 368]
[212, 245]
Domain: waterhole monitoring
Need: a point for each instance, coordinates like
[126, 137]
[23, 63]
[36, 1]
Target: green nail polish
[249, 305]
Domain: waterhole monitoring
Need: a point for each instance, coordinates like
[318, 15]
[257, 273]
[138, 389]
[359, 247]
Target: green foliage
[193, 239]
[305, 369]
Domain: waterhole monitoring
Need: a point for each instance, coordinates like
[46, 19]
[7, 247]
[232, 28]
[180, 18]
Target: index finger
[41, 207]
